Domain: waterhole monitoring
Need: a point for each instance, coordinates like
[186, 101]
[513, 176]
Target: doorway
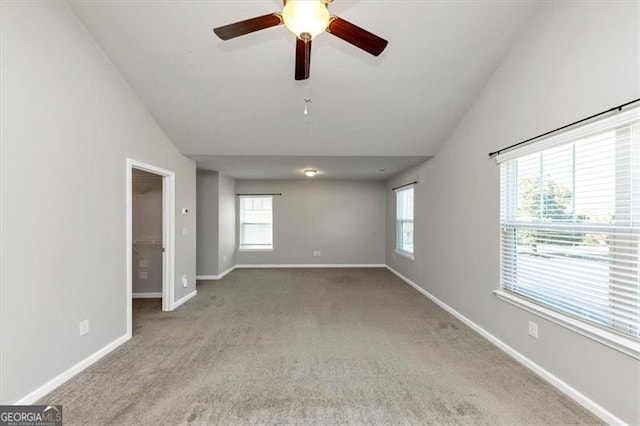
[150, 236]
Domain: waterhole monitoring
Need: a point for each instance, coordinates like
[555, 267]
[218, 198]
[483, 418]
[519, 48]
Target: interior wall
[575, 59]
[216, 223]
[68, 122]
[226, 223]
[207, 183]
[146, 218]
[344, 220]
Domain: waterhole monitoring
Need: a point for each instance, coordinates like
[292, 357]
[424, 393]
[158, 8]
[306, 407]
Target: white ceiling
[293, 167]
[239, 97]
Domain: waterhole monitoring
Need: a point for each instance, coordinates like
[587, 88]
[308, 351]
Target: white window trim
[574, 134]
[246, 248]
[410, 256]
[397, 250]
[626, 345]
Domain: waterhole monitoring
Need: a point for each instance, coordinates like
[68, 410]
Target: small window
[404, 220]
[570, 224]
[256, 223]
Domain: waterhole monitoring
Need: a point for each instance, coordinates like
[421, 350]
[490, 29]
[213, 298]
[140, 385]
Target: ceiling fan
[306, 19]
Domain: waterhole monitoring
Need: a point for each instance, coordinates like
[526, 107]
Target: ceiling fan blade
[355, 35]
[303, 59]
[250, 25]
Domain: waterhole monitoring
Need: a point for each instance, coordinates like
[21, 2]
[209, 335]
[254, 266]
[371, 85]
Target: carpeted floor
[308, 346]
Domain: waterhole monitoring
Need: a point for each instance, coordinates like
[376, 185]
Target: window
[570, 222]
[404, 220]
[256, 223]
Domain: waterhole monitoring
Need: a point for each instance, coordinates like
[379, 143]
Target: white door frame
[168, 235]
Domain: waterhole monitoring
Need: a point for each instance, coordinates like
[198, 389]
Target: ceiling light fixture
[306, 18]
[310, 172]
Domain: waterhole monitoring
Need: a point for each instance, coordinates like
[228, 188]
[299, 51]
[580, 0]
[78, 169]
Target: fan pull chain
[307, 98]
[307, 101]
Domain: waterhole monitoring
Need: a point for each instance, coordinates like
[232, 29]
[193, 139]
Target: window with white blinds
[256, 222]
[404, 219]
[570, 223]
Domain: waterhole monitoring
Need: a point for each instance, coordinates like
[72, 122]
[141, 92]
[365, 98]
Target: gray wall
[574, 59]
[207, 218]
[68, 123]
[342, 219]
[226, 223]
[216, 222]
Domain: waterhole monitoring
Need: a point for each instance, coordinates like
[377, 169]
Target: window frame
[398, 249]
[253, 247]
[608, 336]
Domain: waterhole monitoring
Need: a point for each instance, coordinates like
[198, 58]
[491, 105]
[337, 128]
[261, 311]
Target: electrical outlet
[317, 253]
[533, 329]
[185, 281]
[185, 232]
[143, 275]
[84, 327]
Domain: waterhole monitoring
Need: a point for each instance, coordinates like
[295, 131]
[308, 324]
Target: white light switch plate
[84, 327]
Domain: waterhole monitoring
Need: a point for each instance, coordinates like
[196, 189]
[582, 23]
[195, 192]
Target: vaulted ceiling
[239, 97]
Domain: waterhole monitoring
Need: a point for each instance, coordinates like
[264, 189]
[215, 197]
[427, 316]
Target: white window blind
[404, 219]
[256, 222]
[570, 223]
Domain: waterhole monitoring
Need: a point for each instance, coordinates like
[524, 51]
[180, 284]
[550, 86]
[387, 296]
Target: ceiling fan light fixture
[310, 172]
[306, 18]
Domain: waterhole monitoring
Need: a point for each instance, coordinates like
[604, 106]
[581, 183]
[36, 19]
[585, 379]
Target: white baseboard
[68, 374]
[185, 298]
[222, 275]
[206, 277]
[214, 277]
[555, 381]
[311, 265]
[147, 295]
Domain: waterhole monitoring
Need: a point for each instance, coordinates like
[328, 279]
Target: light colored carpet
[308, 346]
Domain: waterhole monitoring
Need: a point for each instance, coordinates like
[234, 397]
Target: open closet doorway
[150, 237]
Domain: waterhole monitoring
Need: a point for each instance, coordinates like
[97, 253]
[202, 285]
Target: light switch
[84, 327]
[185, 231]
